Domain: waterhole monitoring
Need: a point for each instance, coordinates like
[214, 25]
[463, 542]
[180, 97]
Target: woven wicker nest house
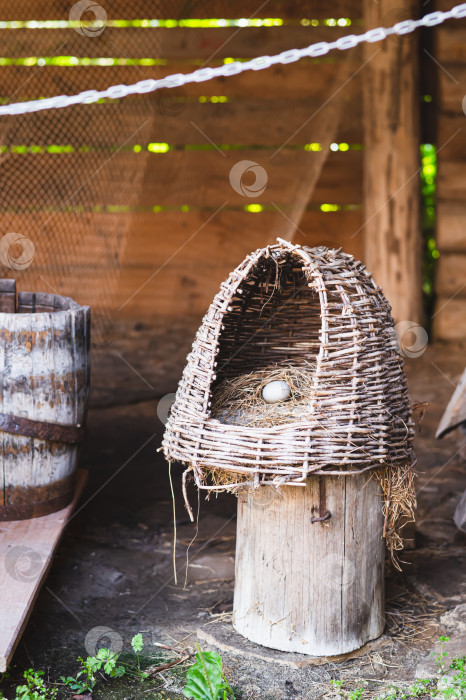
[288, 307]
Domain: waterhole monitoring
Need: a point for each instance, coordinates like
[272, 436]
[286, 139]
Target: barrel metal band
[26, 511]
[17, 425]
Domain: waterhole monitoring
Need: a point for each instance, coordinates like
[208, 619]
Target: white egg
[273, 392]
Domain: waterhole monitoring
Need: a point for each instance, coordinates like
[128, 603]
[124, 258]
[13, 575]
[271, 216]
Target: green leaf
[211, 657]
[109, 666]
[201, 688]
[137, 643]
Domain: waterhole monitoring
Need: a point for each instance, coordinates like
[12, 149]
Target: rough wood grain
[8, 296]
[391, 164]
[277, 82]
[450, 43]
[121, 9]
[176, 43]
[323, 123]
[181, 271]
[449, 319]
[451, 136]
[451, 87]
[270, 121]
[311, 588]
[26, 551]
[451, 181]
[450, 277]
[44, 372]
[201, 178]
[451, 233]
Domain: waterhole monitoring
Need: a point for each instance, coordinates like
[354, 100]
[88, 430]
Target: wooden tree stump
[313, 588]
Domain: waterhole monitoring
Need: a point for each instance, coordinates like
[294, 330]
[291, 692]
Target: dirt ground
[114, 567]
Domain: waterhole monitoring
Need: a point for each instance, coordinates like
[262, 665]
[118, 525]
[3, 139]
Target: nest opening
[273, 320]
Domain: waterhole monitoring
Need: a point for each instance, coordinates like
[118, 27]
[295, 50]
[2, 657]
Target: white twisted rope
[260, 63]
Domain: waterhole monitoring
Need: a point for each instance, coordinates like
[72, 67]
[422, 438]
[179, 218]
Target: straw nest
[239, 401]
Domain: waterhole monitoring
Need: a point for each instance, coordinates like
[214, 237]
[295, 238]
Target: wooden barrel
[310, 565]
[44, 370]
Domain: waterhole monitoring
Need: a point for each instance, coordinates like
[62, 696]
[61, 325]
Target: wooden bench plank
[28, 543]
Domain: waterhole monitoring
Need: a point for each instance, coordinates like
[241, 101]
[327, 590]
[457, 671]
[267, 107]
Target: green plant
[137, 643]
[86, 678]
[205, 678]
[440, 658]
[337, 684]
[356, 694]
[34, 688]
[454, 686]
[448, 687]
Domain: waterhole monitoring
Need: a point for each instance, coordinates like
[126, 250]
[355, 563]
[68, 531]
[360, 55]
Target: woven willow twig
[295, 306]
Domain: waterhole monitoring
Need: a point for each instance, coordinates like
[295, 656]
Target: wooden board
[451, 43]
[183, 177]
[451, 233]
[171, 263]
[306, 79]
[452, 83]
[451, 137]
[179, 121]
[451, 181]
[451, 275]
[26, 551]
[449, 319]
[122, 9]
[104, 258]
[176, 43]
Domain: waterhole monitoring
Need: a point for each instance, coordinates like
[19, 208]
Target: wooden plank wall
[146, 237]
[450, 52]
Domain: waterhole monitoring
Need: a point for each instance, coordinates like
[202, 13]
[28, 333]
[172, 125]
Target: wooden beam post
[392, 232]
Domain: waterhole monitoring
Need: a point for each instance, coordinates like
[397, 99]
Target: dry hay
[411, 616]
[239, 401]
[397, 485]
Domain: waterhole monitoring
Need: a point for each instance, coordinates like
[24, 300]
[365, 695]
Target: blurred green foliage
[428, 213]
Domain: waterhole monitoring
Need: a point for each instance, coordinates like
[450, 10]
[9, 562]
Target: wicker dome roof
[288, 305]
